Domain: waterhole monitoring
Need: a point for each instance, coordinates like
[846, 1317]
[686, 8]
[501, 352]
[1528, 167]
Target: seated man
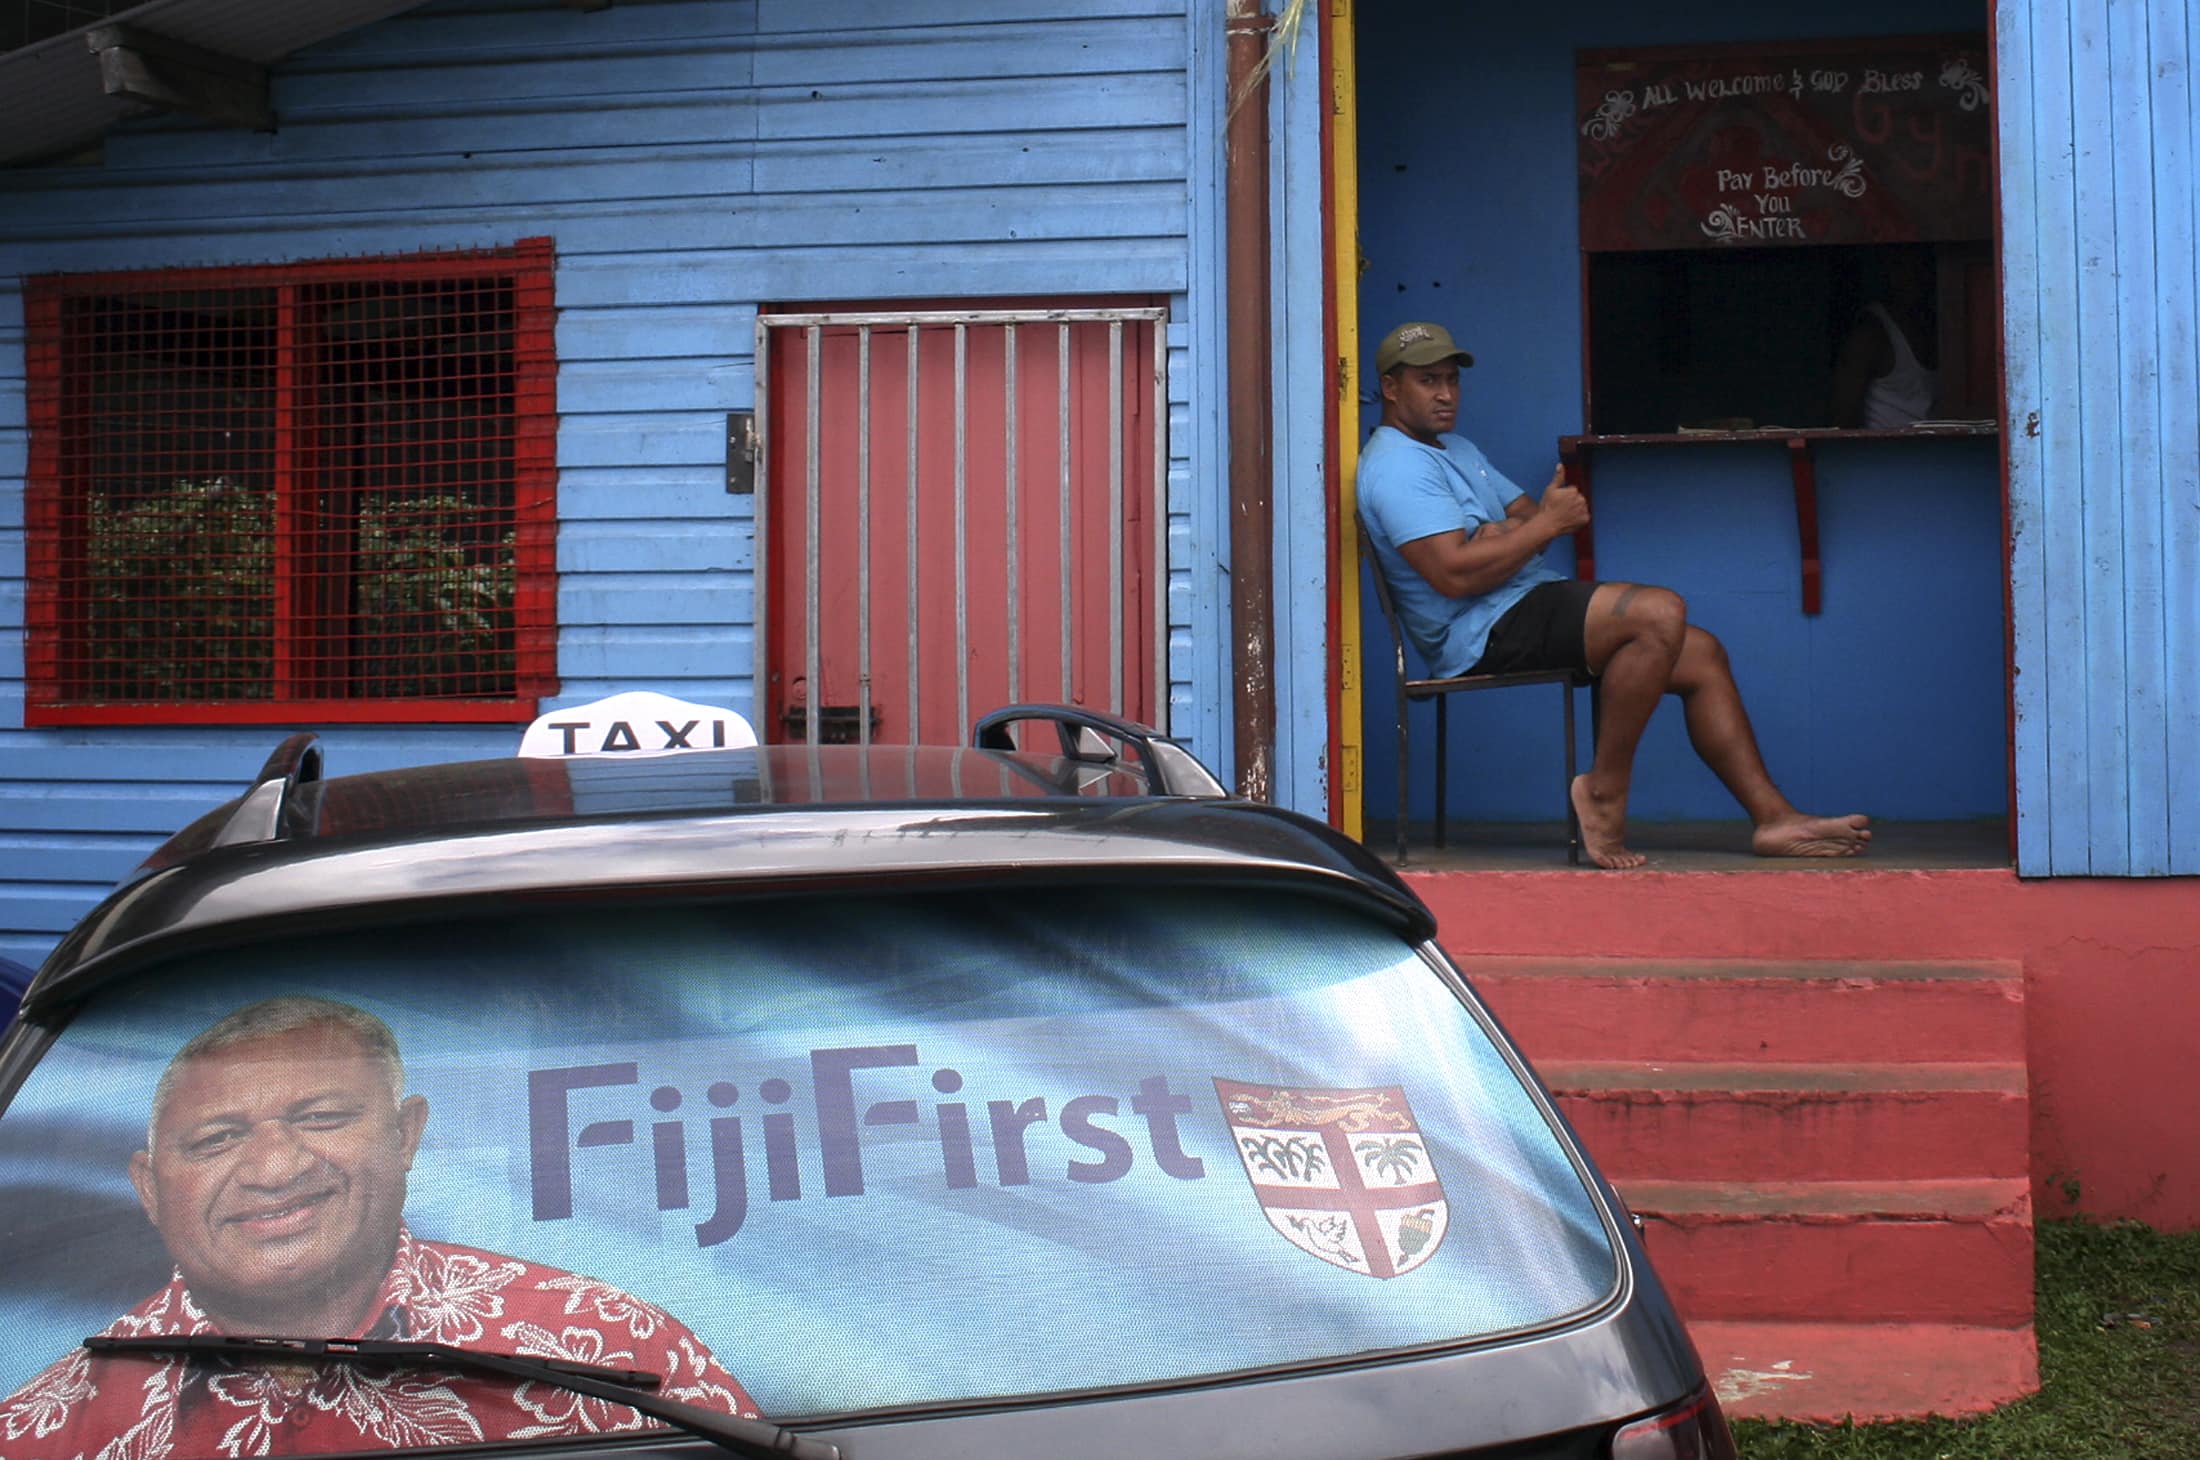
[1462, 549]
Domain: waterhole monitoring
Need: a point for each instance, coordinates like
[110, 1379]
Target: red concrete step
[1733, 1010]
[1799, 1122]
[1841, 1251]
[1823, 1373]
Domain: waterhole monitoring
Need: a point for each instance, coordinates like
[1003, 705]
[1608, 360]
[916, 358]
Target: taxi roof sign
[636, 723]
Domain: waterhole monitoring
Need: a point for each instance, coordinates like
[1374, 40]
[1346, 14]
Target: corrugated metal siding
[2099, 126]
[691, 158]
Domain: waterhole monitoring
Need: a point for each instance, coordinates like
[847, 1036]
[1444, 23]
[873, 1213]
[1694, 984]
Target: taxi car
[1032, 1098]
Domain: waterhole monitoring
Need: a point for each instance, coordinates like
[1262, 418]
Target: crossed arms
[1459, 565]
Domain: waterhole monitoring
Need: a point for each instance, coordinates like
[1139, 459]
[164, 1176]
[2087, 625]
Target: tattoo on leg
[1626, 596]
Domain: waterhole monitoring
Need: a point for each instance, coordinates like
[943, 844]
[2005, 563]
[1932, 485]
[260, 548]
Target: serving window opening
[1682, 249]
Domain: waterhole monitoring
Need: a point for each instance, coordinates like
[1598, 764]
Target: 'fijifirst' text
[1108, 1154]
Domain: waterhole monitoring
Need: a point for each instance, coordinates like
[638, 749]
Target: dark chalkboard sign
[1877, 140]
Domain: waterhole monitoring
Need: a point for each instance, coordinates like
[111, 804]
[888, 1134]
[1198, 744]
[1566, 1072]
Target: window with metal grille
[309, 491]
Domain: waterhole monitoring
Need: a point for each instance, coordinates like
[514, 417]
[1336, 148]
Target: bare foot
[1603, 830]
[1813, 836]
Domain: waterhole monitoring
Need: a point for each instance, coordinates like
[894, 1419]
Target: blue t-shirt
[1408, 491]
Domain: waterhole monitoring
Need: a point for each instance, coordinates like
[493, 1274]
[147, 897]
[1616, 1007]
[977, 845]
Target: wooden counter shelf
[1574, 453]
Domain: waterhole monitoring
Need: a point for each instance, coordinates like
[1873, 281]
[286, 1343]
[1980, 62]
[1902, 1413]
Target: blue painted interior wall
[1890, 701]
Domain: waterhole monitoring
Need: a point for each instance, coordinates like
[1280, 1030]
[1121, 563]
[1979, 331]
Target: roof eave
[57, 97]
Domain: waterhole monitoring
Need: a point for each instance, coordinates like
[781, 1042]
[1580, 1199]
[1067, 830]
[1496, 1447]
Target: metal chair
[1440, 690]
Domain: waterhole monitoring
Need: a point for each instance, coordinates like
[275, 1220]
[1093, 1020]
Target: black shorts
[1547, 629]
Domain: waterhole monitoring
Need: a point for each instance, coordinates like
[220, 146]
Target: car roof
[299, 854]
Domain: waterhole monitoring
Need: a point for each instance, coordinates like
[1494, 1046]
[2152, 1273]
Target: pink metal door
[959, 509]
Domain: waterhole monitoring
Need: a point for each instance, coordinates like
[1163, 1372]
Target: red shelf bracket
[1805, 472]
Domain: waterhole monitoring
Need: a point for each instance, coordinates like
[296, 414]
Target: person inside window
[1885, 377]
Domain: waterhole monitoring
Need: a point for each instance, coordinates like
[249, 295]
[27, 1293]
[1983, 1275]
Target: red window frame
[301, 681]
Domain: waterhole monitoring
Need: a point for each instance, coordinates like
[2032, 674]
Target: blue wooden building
[700, 177]
[672, 170]
[400, 370]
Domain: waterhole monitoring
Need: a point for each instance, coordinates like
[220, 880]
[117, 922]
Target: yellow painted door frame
[1344, 409]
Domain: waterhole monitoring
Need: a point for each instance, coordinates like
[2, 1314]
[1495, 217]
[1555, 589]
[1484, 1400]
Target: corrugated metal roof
[52, 101]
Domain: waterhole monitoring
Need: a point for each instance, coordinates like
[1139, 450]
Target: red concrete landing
[2107, 988]
[1827, 1372]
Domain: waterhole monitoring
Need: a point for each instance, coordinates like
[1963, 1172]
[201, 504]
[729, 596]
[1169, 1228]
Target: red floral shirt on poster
[133, 1408]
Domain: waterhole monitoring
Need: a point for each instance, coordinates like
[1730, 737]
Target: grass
[2118, 1318]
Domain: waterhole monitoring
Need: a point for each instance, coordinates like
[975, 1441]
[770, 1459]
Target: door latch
[741, 453]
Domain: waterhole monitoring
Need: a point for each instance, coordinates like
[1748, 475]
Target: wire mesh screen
[289, 486]
[169, 501]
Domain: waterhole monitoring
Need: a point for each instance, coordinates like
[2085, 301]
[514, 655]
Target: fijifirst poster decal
[1343, 1175]
[1024, 1159]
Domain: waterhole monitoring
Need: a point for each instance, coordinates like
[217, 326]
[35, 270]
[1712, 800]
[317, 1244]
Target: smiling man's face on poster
[278, 1152]
[276, 1176]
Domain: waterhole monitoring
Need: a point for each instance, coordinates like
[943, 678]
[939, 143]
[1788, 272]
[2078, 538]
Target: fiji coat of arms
[1342, 1174]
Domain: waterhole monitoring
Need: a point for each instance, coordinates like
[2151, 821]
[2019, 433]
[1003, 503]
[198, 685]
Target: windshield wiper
[630, 1387]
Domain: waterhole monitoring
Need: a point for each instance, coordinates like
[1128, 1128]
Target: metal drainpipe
[1252, 515]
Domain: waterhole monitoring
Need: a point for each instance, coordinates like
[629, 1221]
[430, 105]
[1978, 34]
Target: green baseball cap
[1417, 344]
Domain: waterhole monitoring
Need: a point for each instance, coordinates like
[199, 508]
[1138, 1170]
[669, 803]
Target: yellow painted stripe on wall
[1344, 195]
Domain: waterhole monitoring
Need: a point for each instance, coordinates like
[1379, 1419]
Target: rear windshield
[804, 1158]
